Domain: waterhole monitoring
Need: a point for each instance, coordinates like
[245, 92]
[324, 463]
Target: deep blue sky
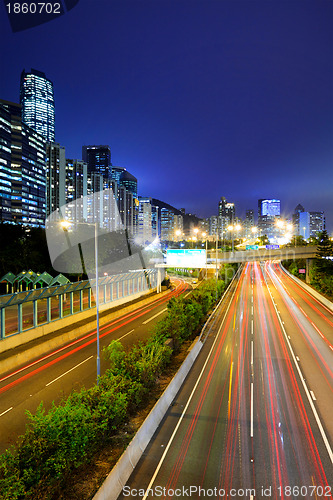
[197, 99]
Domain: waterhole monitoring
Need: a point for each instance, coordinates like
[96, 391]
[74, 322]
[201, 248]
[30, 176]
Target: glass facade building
[23, 176]
[56, 176]
[268, 215]
[37, 101]
[98, 159]
[5, 165]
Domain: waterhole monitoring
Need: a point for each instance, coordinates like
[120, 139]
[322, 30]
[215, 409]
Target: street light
[230, 228]
[65, 224]
[205, 236]
[237, 227]
[216, 263]
[178, 233]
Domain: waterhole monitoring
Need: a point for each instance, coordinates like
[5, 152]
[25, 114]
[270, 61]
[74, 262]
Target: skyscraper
[268, 214]
[98, 159]
[22, 169]
[311, 223]
[298, 210]
[56, 177]
[249, 222]
[76, 189]
[37, 101]
[227, 215]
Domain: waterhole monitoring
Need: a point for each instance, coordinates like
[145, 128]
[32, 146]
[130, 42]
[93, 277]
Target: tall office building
[55, 177]
[311, 223]
[269, 207]
[268, 214]
[129, 182]
[116, 173]
[249, 222]
[76, 190]
[166, 219]
[22, 169]
[295, 218]
[37, 101]
[5, 165]
[98, 159]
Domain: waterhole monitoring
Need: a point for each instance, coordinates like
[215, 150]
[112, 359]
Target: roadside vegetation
[65, 437]
[321, 270]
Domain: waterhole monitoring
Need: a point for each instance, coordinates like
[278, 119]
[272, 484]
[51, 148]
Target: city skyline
[238, 111]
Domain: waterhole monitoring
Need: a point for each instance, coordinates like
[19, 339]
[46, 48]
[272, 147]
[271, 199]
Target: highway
[253, 419]
[57, 373]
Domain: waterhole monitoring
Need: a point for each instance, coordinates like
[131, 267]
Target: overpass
[215, 259]
[306, 252]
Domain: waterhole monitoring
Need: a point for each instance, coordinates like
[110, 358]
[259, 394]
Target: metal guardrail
[22, 311]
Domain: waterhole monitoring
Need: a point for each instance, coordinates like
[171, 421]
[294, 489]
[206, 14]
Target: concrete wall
[120, 474]
[23, 347]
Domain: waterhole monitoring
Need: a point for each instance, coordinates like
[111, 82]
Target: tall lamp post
[65, 224]
[230, 229]
[216, 262]
[205, 236]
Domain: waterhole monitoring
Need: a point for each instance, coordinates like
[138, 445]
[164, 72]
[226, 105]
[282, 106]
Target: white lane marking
[297, 358]
[313, 396]
[155, 316]
[313, 408]
[76, 366]
[125, 334]
[251, 352]
[251, 434]
[187, 404]
[251, 327]
[252, 310]
[3, 413]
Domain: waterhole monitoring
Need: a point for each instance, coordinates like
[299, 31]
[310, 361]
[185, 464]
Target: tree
[324, 250]
[325, 246]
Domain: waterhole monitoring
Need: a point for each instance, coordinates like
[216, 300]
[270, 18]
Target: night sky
[197, 99]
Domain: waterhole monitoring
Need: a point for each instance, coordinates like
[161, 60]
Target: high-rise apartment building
[22, 169]
[147, 228]
[37, 101]
[227, 215]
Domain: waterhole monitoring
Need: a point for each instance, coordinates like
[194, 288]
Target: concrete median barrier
[311, 290]
[116, 480]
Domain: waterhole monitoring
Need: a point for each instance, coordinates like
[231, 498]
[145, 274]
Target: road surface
[254, 417]
[55, 375]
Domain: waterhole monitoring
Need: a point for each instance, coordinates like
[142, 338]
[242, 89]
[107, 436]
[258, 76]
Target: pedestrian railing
[25, 310]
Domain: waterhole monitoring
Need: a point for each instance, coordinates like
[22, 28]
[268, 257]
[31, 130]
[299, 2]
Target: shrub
[63, 438]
